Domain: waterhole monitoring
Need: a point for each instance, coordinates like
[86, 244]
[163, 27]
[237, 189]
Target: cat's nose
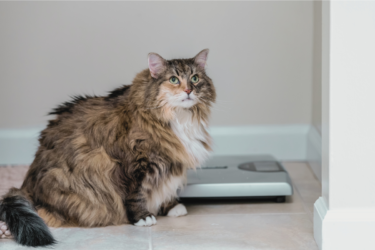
[188, 91]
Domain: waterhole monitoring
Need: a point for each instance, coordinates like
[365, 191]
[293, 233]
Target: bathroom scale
[250, 176]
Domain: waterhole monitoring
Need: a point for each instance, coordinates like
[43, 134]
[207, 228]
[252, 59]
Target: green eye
[174, 80]
[195, 79]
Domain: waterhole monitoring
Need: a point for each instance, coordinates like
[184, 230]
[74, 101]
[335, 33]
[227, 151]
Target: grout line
[149, 238]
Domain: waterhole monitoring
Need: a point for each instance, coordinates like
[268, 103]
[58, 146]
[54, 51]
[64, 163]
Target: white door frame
[344, 217]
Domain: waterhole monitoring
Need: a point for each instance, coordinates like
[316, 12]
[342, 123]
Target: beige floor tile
[105, 238]
[206, 232]
[209, 225]
[299, 171]
[305, 183]
[307, 206]
[307, 187]
[310, 207]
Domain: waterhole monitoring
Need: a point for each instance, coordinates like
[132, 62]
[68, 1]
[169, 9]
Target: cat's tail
[27, 228]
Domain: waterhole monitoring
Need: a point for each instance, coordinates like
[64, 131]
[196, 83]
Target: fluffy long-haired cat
[116, 159]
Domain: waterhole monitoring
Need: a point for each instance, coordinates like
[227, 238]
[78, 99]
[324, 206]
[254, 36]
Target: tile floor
[209, 225]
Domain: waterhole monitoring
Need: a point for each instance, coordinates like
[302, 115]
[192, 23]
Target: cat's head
[178, 84]
[183, 83]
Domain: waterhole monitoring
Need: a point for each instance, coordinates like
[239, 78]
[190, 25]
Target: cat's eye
[174, 80]
[195, 79]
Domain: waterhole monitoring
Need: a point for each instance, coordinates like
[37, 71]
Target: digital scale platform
[252, 176]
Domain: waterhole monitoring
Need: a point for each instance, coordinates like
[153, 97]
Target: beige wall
[317, 68]
[261, 54]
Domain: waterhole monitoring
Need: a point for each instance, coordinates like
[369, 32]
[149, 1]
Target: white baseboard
[18, 146]
[343, 229]
[314, 151]
[285, 142]
[320, 211]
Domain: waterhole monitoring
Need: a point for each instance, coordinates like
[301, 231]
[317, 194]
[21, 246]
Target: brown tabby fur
[101, 158]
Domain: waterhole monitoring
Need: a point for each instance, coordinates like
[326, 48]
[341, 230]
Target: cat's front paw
[178, 210]
[146, 222]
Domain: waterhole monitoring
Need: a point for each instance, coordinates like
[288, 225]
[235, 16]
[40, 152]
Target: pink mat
[11, 176]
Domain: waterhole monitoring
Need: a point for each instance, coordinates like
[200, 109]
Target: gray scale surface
[238, 176]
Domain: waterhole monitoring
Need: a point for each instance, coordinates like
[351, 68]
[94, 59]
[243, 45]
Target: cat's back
[95, 118]
[75, 119]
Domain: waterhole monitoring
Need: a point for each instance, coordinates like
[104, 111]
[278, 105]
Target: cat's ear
[156, 64]
[201, 58]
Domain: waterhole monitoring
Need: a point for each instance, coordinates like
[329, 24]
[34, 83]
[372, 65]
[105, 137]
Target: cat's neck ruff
[192, 134]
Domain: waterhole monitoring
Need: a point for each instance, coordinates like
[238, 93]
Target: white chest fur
[191, 134]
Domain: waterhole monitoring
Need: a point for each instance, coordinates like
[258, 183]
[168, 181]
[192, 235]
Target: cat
[118, 158]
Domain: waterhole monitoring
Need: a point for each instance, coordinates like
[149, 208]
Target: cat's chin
[187, 103]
